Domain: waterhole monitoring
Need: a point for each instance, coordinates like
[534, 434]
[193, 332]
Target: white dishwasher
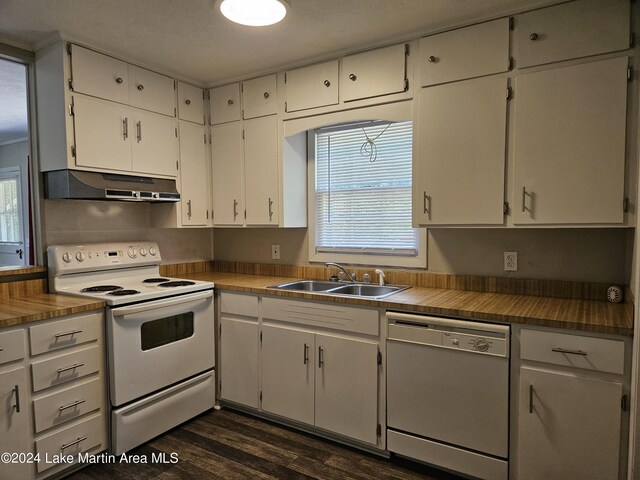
[448, 393]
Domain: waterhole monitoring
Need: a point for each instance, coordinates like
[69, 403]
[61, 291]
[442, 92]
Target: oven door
[156, 344]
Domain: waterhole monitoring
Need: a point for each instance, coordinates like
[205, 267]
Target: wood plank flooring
[226, 444]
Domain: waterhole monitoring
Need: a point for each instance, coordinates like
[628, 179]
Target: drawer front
[190, 103]
[314, 86]
[333, 316]
[573, 351]
[259, 97]
[224, 104]
[65, 368]
[71, 441]
[64, 333]
[245, 305]
[151, 91]
[69, 404]
[465, 53]
[11, 346]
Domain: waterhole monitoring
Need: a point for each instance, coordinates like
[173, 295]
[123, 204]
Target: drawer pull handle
[119, 80]
[71, 444]
[16, 389]
[432, 59]
[320, 357]
[530, 398]
[327, 83]
[306, 354]
[140, 87]
[571, 352]
[266, 95]
[71, 405]
[187, 101]
[67, 334]
[533, 36]
[71, 367]
[352, 77]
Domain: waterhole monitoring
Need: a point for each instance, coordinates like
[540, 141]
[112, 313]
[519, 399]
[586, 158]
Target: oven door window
[164, 331]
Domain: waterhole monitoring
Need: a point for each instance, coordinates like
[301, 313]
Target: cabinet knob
[327, 83]
[432, 59]
[533, 36]
[266, 94]
[229, 102]
[119, 80]
[352, 77]
[187, 101]
[140, 88]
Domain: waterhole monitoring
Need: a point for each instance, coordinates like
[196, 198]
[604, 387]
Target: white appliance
[448, 393]
[159, 334]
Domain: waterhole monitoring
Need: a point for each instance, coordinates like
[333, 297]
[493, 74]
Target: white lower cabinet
[14, 422]
[239, 361]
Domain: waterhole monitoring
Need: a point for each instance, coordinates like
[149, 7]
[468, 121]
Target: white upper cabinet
[571, 30]
[569, 144]
[154, 144]
[99, 75]
[460, 162]
[228, 179]
[224, 104]
[468, 52]
[374, 73]
[190, 103]
[259, 97]
[311, 87]
[151, 91]
[194, 175]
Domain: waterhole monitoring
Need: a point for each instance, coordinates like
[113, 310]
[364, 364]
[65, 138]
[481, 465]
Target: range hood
[76, 184]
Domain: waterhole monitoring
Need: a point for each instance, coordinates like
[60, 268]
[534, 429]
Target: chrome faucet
[337, 265]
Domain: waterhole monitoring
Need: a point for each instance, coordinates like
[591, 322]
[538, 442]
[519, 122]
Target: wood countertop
[587, 315]
[42, 306]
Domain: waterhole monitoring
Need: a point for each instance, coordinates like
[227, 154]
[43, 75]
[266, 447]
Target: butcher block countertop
[587, 315]
[42, 306]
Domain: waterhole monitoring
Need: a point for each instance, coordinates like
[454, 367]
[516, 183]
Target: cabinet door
[14, 422]
[465, 53]
[224, 104]
[347, 387]
[194, 175]
[259, 97]
[569, 144]
[226, 157]
[461, 153]
[103, 132]
[155, 144]
[569, 426]
[151, 91]
[190, 103]
[261, 170]
[239, 361]
[572, 30]
[99, 75]
[288, 373]
[373, 73]
[310, 87]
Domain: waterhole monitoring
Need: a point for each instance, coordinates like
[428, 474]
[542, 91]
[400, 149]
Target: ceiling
[13, 102]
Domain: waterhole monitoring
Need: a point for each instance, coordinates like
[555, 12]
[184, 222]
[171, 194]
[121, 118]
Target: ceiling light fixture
[255, 13]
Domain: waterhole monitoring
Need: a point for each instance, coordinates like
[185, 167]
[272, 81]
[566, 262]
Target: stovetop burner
[155, 280]
[101, 288]
[177, 283]
[120, 293]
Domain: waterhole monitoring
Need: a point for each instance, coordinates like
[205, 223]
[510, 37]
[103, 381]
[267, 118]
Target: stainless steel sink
[360, 290]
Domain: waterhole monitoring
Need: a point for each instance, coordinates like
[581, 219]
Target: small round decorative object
[119, 80]
[327, 83]
[432, 59]
[352, 77]
[266, 94]
[140, 87]
[615, 294]
[187, 101]
[533, 36]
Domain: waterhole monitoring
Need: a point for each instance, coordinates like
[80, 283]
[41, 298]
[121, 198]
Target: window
[10, 224]
[363, 195]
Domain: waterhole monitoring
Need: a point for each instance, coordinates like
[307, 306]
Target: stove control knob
[481, 344]
[80, 256]
[66, 257]
[132, 252]
[152, 250]
[143, 251]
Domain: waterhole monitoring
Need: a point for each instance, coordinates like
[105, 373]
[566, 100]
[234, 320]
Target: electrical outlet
[510, 261]
[275, 252]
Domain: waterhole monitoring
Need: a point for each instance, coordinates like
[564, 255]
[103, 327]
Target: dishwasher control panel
[475, 343]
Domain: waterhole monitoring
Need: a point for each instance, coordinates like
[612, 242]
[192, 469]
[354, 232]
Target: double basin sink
[359, 290]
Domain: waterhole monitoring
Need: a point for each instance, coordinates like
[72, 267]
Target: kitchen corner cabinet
[569, 144]
[571, 30]
[311, 87]
[224, 104]
[191, 103]
[259, 97]
[461, 149]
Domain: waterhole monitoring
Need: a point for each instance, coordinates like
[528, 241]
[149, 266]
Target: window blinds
[363, 189]
[9, 215]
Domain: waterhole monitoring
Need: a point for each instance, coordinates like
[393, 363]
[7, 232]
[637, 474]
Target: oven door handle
[153, 305]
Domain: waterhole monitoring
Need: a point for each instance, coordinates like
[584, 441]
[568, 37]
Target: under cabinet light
[255, 13]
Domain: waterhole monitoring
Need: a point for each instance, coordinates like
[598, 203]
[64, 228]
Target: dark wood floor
[229, 445]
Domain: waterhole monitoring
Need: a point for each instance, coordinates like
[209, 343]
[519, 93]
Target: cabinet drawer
[224, 104]
[65, 368]
[64, 333]
[259, 97]
[11, 346]
[190, 103]
[151, 91]
[69, 404]
[571, 30]
[310, 87]
[465, 53]
[333, 316]
[573, 351]
[99, 75]
[246, 305]
[79, 438]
